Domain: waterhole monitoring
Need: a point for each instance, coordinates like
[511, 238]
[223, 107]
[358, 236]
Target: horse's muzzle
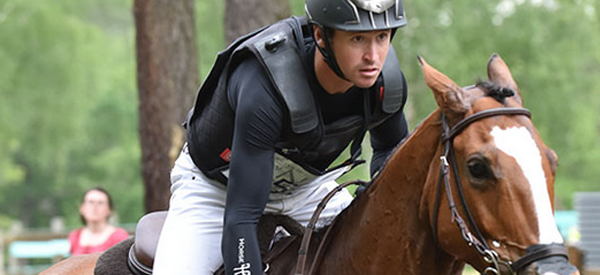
[552, 265]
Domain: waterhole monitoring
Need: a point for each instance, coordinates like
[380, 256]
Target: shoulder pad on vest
[393, 83]
[216, 78]
[282, 60]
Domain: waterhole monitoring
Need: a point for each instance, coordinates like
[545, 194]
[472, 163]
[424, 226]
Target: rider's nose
[371, 52]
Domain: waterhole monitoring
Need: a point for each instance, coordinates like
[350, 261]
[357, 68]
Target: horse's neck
[384, 228]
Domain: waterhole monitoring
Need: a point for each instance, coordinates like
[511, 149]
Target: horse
[479, 156]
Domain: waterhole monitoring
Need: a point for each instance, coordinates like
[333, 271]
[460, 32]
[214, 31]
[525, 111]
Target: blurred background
[85, 86]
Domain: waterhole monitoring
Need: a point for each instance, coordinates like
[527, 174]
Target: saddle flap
[147, 233]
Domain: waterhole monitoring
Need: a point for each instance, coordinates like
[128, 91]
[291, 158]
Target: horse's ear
[499, 74]
[449, 96]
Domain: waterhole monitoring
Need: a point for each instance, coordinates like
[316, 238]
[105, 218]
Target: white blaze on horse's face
[518, 143]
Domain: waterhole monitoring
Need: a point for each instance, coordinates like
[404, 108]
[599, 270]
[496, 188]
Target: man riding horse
[279, 106]
[474, 183]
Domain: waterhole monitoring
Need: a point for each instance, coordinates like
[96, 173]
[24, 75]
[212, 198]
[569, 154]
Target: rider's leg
[302, 205]
[190, 242]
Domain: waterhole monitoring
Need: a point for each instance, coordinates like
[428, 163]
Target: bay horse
[477, 156]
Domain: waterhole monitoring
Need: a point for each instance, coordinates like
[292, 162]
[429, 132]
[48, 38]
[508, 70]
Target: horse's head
[500, 175]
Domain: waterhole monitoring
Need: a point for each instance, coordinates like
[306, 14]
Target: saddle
[141, 254]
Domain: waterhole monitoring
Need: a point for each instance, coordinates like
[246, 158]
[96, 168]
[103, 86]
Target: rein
[311, 227]
[477, 240]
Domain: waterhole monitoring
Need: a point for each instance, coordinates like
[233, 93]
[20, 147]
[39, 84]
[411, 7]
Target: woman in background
[98, 234]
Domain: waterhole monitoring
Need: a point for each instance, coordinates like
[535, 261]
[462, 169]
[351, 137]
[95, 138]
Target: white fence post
[587, 205]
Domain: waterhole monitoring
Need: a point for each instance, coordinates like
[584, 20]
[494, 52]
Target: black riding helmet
[353, 15]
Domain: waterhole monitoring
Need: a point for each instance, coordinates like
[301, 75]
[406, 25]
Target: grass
[470, 271]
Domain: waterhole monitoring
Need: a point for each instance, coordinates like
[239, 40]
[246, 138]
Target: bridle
[477, 241]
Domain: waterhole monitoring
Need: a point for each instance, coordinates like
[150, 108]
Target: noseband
[478, 241]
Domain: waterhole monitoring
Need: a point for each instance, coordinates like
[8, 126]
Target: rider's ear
[318, 35]
[449, 96]
[499, 74]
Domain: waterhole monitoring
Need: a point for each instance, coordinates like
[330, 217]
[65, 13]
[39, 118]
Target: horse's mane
[495, 91]
[491, 89]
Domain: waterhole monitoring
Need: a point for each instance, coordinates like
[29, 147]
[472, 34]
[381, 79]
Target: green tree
[167, 79]
[65, 74]
[551, 48]
[68, 95]
[244, 16]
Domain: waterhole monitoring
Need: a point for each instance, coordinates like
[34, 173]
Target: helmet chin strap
[328, 55]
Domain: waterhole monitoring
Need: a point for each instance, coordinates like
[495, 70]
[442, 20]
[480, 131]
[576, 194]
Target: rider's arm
[258, 119]
[385, 138]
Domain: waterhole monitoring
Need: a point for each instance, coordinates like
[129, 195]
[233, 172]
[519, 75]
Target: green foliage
[68, 94]
[69, 108]
[551, 48]
[210, 29]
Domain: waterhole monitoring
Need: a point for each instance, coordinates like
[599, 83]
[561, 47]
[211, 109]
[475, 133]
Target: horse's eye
[479, 169]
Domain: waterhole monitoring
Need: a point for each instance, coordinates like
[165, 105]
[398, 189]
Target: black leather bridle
[477, 241]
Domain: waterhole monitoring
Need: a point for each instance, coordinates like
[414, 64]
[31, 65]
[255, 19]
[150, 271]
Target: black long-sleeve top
[259, 119]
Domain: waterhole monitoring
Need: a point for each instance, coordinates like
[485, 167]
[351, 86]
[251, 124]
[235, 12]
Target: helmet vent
[356, 15]
[376, 6]
[399, 11]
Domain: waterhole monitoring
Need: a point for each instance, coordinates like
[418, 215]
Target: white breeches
[190, 242]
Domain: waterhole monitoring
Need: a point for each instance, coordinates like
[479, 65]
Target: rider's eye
[479, 169]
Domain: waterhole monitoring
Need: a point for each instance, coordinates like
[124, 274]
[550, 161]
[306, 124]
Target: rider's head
[353, 16]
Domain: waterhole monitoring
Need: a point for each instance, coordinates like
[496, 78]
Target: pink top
[76, 249]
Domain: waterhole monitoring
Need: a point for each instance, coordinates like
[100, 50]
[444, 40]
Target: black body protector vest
[306, 146]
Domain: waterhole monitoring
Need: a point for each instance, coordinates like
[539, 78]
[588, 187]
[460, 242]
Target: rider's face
[95, 207]
[361, 55]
